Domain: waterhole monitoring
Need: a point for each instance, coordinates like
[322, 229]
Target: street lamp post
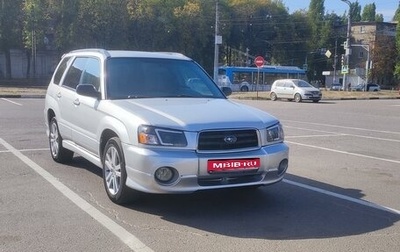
[347, 45]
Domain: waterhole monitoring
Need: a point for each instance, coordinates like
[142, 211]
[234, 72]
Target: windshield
[301, 83]
[152, 77]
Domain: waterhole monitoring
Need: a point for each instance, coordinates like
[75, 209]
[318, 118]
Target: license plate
[227, 165]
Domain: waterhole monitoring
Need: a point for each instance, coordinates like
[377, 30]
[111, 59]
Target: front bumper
[141, 164]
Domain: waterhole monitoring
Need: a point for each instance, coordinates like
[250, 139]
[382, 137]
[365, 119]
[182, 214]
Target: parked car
[370, 87]
[157, 123]
[373, 87]
[336, 87]
[359, 87]
[294, 89]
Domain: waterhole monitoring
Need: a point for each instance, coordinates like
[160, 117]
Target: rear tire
[273, 97]
[57, 151]
[114, 173]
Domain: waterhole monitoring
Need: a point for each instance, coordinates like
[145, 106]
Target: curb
[24, 96]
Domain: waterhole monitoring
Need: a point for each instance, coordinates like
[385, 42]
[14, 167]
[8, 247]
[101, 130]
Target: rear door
[288, 90]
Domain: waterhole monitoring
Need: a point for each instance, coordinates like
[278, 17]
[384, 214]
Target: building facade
[372, 54]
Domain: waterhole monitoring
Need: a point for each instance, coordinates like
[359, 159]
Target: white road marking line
[305, 136]
[25, 150]
[338, 134]
[345, 152]
[129, 239]
[343, 197]
[16, 103]
[344, 127]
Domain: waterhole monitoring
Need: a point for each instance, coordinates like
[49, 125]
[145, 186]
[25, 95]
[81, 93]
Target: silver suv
[157, 123]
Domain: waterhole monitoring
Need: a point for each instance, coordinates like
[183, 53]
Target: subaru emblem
[230, 139]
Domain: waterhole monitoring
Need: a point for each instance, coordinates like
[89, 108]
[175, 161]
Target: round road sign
[259, 61]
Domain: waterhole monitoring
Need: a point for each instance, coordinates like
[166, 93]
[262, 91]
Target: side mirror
[227, 91]
[87, 90]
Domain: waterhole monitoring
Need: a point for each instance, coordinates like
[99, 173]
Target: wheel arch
[111, 127]
[106, 135]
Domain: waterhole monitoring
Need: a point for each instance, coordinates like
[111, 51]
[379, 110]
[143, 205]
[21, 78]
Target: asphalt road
[341, 192]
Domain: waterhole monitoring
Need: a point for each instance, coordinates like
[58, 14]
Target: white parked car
[157, 123]
[294, 89]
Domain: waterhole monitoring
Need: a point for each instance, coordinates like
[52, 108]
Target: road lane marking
[344, 127]
[343, 197]
[338, 134]
[25, 150]
[306, 136]
[345, 152]
[129, 239]
[7, 100]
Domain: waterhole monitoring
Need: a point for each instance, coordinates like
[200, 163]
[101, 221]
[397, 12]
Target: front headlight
[275, 134]
[159, 136]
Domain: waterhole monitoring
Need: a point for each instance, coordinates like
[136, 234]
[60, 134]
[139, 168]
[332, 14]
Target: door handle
[59, 95]
[77, 102]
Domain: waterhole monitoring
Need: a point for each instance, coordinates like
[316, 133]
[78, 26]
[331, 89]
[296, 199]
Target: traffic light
[342, 60]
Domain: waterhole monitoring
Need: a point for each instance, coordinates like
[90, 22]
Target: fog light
[283, 165]
[165, 175]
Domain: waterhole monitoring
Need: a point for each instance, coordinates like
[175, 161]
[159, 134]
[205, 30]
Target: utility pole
[347, 46]
[335, 63]
[218, 41]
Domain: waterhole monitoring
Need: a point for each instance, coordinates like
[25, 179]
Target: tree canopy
[248, 27]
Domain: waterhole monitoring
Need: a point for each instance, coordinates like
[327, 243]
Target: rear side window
[60, 70]
[83, 71]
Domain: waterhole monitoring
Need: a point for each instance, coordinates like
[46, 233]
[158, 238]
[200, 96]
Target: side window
[91, 74]
[60, 70]
[74, 73]
[83, 71]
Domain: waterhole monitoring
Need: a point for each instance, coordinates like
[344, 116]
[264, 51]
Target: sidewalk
[23, 92]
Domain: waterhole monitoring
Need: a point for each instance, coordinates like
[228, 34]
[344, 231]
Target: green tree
[261, 26]
[10, 31]
[396, 16]
[397, 66]
[369, 13]
[102, 23]
[379, 18]
[384, 61]
[63, 24]
[355, 11]
[34, 27]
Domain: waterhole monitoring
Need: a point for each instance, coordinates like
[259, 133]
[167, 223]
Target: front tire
[114, 172]
[57, 151]
[297, 97]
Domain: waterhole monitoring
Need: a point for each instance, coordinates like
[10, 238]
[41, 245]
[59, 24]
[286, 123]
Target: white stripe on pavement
[129, 239]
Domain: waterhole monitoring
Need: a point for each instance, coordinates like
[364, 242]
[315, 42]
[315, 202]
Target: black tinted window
[83, 71]
[74, 73]
[60, 70]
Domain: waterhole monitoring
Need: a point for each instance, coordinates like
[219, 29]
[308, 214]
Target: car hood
[192, 114]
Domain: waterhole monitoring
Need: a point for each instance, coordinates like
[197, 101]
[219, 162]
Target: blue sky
[385, 7]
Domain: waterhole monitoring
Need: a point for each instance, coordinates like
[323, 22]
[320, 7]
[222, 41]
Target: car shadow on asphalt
[282, 211]
[278, 212]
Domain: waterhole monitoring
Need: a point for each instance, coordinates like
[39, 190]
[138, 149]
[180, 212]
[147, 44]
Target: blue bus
[256, 79]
